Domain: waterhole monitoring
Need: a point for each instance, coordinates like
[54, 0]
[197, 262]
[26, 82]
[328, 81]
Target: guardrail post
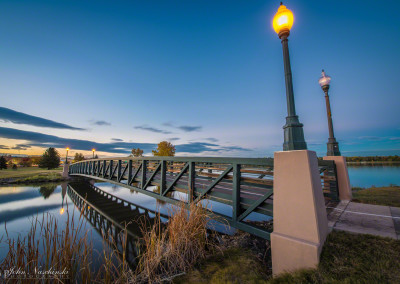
[104, 168]
[163, 181]
[236, 192]
[111, 169]
[300, 221]
[144, 168]
[191, 181]
[129, 171]
[119, 170]
[342, 174]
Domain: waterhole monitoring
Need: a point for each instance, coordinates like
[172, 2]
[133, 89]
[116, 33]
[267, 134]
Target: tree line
[51, 158]
[394, 158]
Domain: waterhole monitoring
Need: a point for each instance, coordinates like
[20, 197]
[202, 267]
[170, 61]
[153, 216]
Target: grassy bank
[389, 196]
[346, 258]
[30, 175]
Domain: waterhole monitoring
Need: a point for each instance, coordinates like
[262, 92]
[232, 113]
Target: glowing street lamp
[293, 129]
[66, 158]
[93, 150]
[332, 145]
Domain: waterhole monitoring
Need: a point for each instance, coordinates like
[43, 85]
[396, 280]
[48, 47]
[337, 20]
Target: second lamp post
[332, 145]
[293, 129]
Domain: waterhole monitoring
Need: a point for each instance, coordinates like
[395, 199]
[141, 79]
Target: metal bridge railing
[244, 184]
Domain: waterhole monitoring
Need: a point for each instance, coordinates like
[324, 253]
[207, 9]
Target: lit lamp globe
[283, 21]
[324, 81]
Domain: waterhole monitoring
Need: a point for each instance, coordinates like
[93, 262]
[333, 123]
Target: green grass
[234, 265]
[346, 258]
[389, 196]
[30, 174]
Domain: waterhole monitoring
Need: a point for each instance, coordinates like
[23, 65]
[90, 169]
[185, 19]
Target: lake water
[19, 204]
[374, 175]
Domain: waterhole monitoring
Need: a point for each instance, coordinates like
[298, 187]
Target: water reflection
[111, 216]
[47, 190]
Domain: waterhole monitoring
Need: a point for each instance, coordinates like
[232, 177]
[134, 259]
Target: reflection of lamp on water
[63, 193]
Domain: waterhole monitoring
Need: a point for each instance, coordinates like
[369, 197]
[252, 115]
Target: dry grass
[167, 249]
[70, 251]
[176, 248]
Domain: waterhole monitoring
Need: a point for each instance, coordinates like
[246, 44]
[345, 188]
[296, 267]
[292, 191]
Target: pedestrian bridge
[244, 184]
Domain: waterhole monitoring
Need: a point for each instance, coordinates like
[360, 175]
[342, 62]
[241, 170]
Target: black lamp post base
[293, 135]
[333, 148]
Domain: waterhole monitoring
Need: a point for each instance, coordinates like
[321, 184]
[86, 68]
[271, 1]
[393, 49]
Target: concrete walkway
[360, 218]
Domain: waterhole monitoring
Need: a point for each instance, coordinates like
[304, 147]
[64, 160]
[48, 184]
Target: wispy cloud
[4, 147]
[173, 139]
[211, 139]
[185, 128]
[117, 140]
[9, 115]
[44, 140]
[100, 123]
[152, 129]
[21, 147]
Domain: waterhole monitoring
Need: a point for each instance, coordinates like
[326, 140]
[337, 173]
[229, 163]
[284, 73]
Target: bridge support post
[300, 221]
[342, 174]
[65, 172]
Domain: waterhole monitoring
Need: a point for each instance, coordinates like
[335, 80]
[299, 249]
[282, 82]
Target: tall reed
[176, 248]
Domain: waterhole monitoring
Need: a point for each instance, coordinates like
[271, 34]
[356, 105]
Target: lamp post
[332, 145]
[293, 129]
[93, 150]
[66, 158]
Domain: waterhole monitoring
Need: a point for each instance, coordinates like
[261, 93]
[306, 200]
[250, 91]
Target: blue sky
[205, 75]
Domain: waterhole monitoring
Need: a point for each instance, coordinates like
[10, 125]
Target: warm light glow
[93, 150]
[61, 211]
[67, 149]
[283, 19]
[324, 80]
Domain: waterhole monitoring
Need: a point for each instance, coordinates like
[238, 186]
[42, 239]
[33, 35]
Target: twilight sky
[206, 75]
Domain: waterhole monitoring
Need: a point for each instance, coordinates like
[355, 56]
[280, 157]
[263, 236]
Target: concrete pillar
[300, 221]
[65, 171]
[343, 180]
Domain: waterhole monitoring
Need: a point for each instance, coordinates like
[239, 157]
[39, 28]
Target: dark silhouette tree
[164, 148]
[137, 152]
[3, 163]
[50, 159]
[78, 157]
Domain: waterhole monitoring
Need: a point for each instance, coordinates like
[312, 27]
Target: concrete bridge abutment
[65, 173]
[300, 221]
[343, 180]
